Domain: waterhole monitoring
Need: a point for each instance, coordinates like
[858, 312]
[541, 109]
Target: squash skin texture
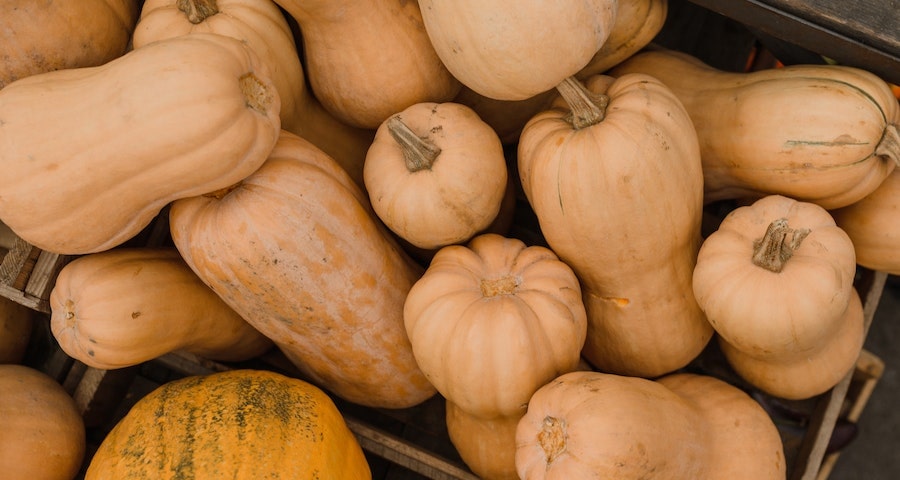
[179, 118]
[126, 306]
[873, 224]
[235, 424]
[43, 434]
[620, 201]
[297, 251]
[814, 133]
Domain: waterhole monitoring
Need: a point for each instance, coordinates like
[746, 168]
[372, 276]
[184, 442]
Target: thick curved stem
[587, 107]
[418, 152]
[777, 245]
[889, 146]
[198, 10]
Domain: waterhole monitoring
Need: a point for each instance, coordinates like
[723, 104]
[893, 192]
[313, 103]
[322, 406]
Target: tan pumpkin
[127, 306]
[873, 224]
[514, 57]
[775, 281]
[825, 134]
[16, 322]
[43, 434]
[181, 117]
[599, 425]
[40, 37]
[436, 174]
[486, 445]
[296, 250]
[369, 59]
[262, 25]
[234, 424]
[617, 191]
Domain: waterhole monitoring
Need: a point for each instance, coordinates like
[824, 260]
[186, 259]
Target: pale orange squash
[16, 323]
[234, 424]
[486, 445]
[126, 306]
[369, 59]
[826, 134]
[177, 118]
[599, 425]
[43, 434]
[436, 174]
[617, 190]
[873, 224]
[297, 251]
[40, 37]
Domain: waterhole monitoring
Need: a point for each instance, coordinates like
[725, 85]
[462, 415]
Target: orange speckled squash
[297, 251]
[15, 330]
[236, 424]
[177, 118]
[873, 224]
[613, 175]
[43, 436]
[39, 37]
[126, 306]
[826, 134]
[598, 425]
[369, 59]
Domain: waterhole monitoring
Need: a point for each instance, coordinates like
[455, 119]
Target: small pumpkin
[43, 434]
[369, 59]
[126, 306]
[613, 175]
[436, 174]
[873, 224]
[297, 251]
[39, 37]
[16, 323]
[514, 57]
[826, 134]
[775, 281]
[234, 424]
[600, 425]
[176, 118]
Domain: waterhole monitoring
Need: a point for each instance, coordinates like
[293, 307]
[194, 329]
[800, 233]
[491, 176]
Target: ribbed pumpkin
[617, 190]
[246, 424]
[126, 306]
[177, 118]
[775, 280]
[598, 425]
[826, 134]
[262, 25]
[369, 59]
[15, 330]
[43, 435]
[873, 224]
[39, 37]
[297, 251]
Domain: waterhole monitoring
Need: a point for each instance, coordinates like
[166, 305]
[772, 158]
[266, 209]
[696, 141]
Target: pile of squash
[341, 181]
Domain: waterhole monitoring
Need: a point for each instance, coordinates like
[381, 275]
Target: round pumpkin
[297, 251]
[436, 174]
[15, 330]
[177, 118]
[43, 434]
[234, 424]
[40, 37]
[613, 175]
[873, 224]
[126, 306]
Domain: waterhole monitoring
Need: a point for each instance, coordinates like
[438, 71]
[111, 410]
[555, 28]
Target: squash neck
[587, 108]
[197, 10]
[778, 245]
[419, 153]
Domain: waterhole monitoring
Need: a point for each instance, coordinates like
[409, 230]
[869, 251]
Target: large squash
[825, 134]
[873, 224]
[126, 306]
[40, 37]
[297, 251]
[178, 118]
[617, 190]
[43, 435]
[243, 424]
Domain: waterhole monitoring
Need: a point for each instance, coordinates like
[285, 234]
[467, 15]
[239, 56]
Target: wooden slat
[14, 263]
[43, 275]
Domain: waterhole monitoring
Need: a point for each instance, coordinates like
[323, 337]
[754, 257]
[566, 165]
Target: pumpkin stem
[552, 438]
[889, 146]
[418, 152]
[198, 10]
[587, 108]
[777, 245]
[257, 96]
[500, 286]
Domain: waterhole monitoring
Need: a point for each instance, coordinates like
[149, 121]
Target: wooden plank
[14, 264]
[19, 296]
[43, 275]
